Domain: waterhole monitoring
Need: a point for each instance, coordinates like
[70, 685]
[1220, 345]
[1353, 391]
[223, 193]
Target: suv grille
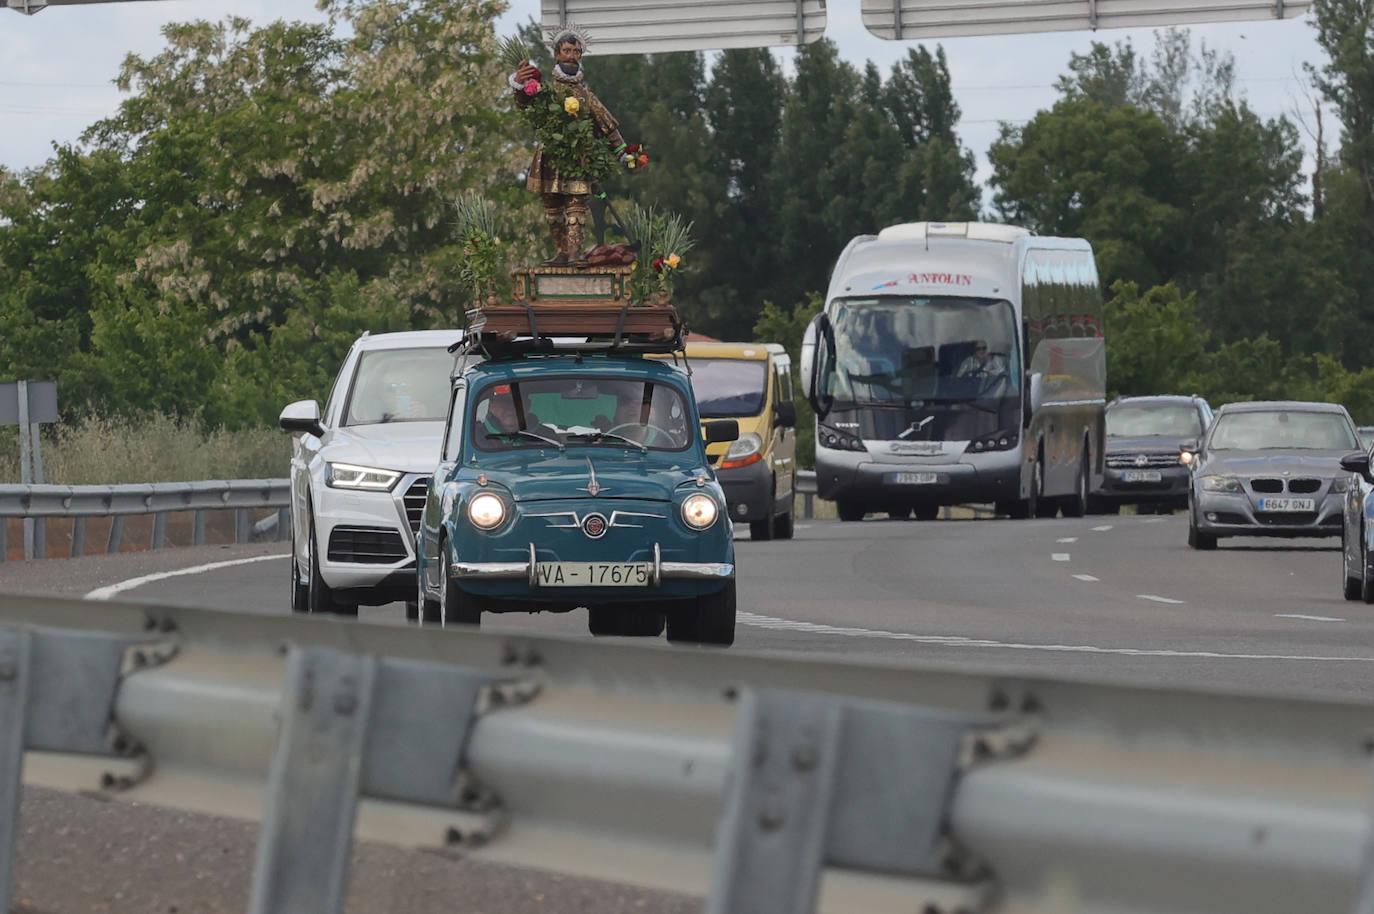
[1128, 461]
[415, 502]
[366, 545]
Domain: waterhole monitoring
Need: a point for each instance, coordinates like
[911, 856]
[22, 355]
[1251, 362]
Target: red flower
[658, 264]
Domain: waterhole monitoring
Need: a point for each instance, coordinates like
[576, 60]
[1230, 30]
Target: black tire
[1076, 505]
[927, 512]
[849, 510]
[1016, 510]
[634, 620]
[761, 529]
[784, 525]
[456, 606]
[705, 620]
[899, 513]
[1353, 585]
[412, 610]
[1366, 579]
[320, 598]
[1197, 539]
[1037, 505]
[300, 593]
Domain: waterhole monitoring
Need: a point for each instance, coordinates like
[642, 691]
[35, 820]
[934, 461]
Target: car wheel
[899, 514]
[426, 610]
[1016, 510]
[1076, 505]
[1196, 538]
[1353, 585]
[320, 597]
[636, 620]
[849, 510]
[1366, 579]
[705, 620]
[784, 525]
[456, 606]
[927, 512]
[300, 593]
[761, 529]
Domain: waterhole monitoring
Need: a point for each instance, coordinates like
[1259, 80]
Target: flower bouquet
[665, 239]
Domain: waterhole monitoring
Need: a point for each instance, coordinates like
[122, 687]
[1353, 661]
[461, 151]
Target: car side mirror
[721, 430]
[302, 416]
[785, 414]
[1358, 463]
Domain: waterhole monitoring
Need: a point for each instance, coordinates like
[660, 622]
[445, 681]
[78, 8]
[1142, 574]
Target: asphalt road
[1106, 598]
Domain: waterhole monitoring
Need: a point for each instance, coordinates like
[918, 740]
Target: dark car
[1143, 438]
[1358, 527]
[1271, 469]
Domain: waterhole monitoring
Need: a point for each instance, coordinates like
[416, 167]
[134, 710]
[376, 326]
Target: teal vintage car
[576, 479]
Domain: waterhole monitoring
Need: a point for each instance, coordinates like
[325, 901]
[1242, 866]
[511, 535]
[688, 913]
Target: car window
[582, 411]
[1259, 430]
[729, 387]
[1157, 420]
[453, 434]
[400, 385]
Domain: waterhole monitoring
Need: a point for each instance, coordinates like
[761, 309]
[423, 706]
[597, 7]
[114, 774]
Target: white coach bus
[958, 363]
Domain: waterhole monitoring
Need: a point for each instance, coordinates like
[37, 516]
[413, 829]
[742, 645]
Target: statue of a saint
[565, 195]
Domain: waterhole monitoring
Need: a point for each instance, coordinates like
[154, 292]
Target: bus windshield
[913, 351]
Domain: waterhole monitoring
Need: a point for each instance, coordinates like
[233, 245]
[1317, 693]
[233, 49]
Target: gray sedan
[1270, 469]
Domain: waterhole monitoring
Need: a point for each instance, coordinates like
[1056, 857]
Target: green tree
[787, 326]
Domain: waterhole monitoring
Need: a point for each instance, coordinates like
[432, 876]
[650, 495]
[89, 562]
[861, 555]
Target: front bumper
[1172, 487]
[748, 491]
[991, 476]
[1238, 514]
[349, 522]
[527, 570]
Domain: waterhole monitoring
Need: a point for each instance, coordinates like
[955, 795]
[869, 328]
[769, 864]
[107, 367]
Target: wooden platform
[573, 285]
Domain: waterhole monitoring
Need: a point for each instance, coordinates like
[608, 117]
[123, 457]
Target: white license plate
[592, 574]
[915, 479]
[1142, 476]
[1288, 504]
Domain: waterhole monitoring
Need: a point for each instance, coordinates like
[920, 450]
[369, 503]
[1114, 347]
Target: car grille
[1304, 486]
[1266, 485]
[366, 545]
[1128, 461]
[415, 502]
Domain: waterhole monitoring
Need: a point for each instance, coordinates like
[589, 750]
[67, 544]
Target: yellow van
[751, 383]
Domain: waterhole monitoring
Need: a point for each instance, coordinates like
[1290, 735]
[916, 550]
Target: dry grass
[107, 450]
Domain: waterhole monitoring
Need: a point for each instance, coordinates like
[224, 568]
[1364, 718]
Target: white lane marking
[1158, 599]
[1154, 520]
[1067, 539]
[1103, 529]
[1087, 577]
[803, 526]
[776, 624]
[105, 593]
[1060, 556]
[1308, 618]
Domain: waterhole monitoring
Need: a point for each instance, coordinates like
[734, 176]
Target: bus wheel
[849, 510]
[1076, 505]
[1037, 505]
[927, 512]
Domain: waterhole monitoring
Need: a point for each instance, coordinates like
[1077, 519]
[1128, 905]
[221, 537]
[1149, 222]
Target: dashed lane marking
[1103, 529]
[1308, 618]
[1060, 556]
[105, 593]
[1155, 598]
[1087, 577]
[1067, 539]
[773, 623]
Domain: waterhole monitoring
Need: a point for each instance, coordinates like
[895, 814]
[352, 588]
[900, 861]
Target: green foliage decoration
[566, 134]
[664, 238]
[484, 259]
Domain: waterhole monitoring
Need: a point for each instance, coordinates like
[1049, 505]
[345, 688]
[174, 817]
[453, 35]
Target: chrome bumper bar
[694, 571]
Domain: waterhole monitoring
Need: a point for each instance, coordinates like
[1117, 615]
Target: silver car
[360, 471]
[1270, 469]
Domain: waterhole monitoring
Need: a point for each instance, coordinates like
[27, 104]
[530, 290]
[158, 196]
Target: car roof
[519, 368]
[408, 339]
[1156, 399]
[1304, 406]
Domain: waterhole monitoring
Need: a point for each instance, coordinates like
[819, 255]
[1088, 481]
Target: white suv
[359, 472]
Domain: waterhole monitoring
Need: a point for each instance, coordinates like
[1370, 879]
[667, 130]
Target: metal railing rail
[158, 499]
[771, 784]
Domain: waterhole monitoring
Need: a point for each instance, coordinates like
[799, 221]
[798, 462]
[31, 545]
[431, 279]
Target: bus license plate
[592, 574]
[1287, 504]
[915, 479]
[1142, 476]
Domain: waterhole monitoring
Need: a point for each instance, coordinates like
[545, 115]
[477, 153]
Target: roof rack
[572, 309]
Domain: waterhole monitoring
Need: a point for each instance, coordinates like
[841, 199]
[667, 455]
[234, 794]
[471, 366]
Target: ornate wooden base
[606, 285]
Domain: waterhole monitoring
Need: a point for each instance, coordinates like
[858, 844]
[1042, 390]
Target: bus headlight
[486, 511]
[699, 511]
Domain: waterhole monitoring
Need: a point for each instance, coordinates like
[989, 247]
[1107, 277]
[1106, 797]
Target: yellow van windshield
[729, 387]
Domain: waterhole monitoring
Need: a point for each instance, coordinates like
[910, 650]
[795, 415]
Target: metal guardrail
[772, 784]
[158, 499]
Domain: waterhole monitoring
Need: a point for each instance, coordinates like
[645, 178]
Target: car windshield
[729, 387]
[1258, 430]
[1142, 421]
[400, 385]
[582, 411]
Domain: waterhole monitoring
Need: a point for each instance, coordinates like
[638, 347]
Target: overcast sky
[56, 67]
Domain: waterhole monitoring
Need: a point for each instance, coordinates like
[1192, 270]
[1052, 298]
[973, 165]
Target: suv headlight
[486, 511]
[699, 511]
[747, 449]
[1221, 484]
[349, 476]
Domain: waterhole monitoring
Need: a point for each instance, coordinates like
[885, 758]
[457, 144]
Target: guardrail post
[283, 524]
[243, 530]
[116, 534]
[159, 530]
[198, 528]
[312, 792]
[40, 537]
[78, 537]
[4, 540]
[14, 693]
[807, 509]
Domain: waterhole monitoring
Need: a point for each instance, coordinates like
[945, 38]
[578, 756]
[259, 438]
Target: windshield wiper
[601, 436]
[527, 434]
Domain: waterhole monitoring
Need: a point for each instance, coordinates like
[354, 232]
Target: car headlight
[1340, 484]
[349, 476]
[746, 449]
[486, 511]
[699, 511]
[1221, 484]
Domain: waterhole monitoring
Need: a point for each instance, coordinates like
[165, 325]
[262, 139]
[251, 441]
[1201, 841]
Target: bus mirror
[808, 359]
[785, 414]
[817, 353]
[1035, 393]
